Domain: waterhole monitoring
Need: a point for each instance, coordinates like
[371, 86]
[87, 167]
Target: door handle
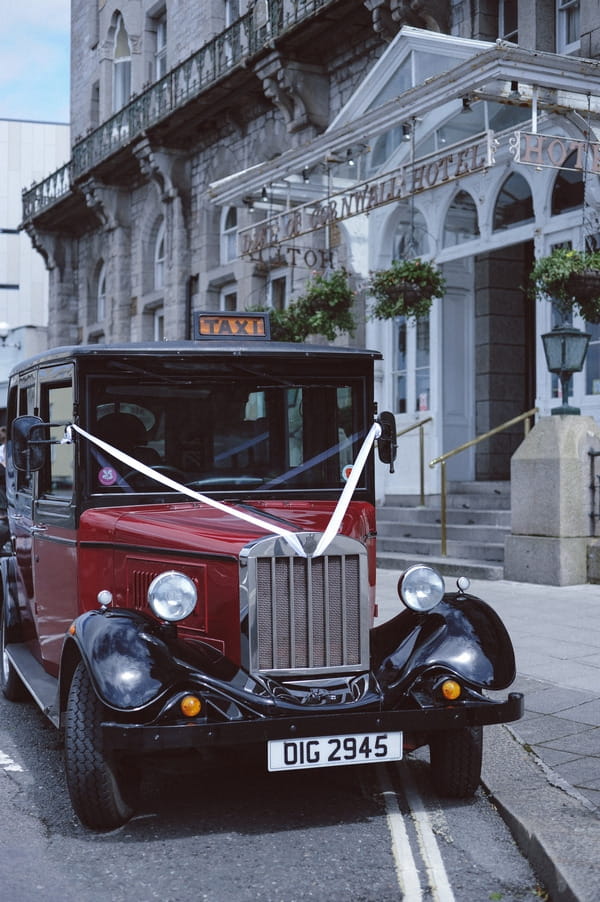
[37, 530]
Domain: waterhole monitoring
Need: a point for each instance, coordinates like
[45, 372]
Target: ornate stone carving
[299, 90]
[383, 24]
[108, 203]
[390, 15]
[45, 244]
[166, 168]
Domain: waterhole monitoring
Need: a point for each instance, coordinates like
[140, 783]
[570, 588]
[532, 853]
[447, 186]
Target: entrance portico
[472, 155]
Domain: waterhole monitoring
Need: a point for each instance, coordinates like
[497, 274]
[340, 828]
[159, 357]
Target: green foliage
[407, 288]
[324, 308]
[571, 280]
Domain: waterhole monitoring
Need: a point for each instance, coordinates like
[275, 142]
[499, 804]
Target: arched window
[461, 220]
[101, 294]
[568, 188]
[121, 66]
[159, 259]
[411, 238]
[229, 235]
[514, 205]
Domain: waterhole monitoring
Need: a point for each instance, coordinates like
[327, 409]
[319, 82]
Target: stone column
[551, 502]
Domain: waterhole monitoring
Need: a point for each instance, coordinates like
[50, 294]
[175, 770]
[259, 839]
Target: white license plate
[333, 751]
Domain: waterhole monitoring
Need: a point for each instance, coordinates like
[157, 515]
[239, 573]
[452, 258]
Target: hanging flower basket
[323, 308]
[407, 289]
[585, 286]
[571, 281]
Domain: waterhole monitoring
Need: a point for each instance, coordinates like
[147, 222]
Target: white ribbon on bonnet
[269, 527]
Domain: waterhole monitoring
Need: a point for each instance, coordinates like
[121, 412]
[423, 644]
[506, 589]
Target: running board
[42, 687]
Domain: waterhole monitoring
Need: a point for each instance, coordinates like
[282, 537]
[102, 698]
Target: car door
[53, 527]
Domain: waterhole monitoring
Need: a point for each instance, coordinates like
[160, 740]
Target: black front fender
[462, 635]
[129, 663]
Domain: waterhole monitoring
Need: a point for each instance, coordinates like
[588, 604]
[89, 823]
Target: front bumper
[194, 735]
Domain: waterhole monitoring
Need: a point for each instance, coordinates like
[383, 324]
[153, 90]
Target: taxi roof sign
[234, 325]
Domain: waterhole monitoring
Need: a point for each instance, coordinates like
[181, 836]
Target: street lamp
[565, 348]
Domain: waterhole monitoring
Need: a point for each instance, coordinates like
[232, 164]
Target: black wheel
[455, 757]
[103, 791]
[10, 681]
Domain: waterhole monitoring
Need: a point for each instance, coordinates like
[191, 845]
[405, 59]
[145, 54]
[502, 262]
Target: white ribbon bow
[332, 527]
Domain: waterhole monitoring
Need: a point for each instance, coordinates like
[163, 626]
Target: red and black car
[192, 566]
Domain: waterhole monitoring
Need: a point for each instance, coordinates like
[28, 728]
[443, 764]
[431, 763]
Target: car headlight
[421, 588]
[172, 596]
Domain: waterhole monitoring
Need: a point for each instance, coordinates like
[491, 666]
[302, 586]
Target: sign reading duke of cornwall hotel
[425, 173]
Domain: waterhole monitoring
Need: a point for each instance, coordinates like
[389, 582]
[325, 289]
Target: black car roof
[202, 347]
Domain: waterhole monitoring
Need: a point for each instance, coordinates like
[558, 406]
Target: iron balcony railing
[234, 46]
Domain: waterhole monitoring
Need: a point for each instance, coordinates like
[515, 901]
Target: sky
[34, 60]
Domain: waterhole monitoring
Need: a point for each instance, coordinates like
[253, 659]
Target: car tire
[10, 681]
[103, 792]
[455, 758]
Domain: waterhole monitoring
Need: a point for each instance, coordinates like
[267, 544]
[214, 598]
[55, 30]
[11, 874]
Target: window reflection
[568, 189]
[461, 220]
[514, 205]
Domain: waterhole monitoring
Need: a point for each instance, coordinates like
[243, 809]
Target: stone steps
[477, 523]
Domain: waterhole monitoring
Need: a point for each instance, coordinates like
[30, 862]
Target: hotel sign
[425, 173]
[553, 152]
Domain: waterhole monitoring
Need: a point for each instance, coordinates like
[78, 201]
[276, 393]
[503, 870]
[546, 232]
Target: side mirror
[28, 440]
[386, 443]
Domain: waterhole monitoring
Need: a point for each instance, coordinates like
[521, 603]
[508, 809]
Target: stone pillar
[551, 502]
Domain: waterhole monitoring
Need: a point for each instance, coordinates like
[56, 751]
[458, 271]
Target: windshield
[223, 434]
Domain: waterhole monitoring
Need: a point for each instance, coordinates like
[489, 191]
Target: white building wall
[28, 152]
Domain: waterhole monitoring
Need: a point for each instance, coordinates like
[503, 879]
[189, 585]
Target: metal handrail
[523, 417]
[419, 425]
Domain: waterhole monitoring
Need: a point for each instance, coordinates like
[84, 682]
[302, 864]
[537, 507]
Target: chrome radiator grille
[308, 614]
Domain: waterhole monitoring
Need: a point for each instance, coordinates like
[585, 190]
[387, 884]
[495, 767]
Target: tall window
[229, 235]
[101, 295]
[121, 67]
[159, 259]
[567, 26]
[276, 291]
[508, 17]
[568, 189]
[160, 54]
[232, 41]
[412, 366]
[159, 324]
[232, 12]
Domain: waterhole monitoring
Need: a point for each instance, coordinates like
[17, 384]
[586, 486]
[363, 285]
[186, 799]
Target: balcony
[230, 53]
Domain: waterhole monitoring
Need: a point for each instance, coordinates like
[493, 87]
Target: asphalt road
[230, 832]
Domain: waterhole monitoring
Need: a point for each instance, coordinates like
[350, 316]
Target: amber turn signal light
[451, 690]
[190, 705]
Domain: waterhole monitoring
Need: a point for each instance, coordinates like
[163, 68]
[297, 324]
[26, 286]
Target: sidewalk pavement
[543, 772]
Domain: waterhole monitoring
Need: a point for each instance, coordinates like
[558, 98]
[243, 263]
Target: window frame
[121, 87]
[159, 259]
[160, 49]
[229, 235]
[564, 8]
